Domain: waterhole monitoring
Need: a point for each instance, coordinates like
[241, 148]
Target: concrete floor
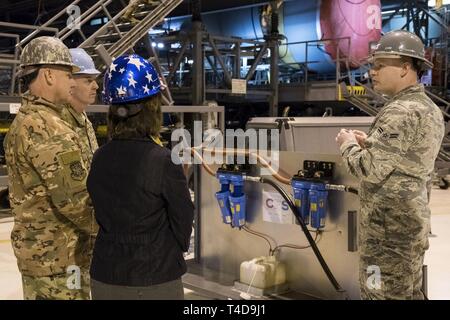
[437, 257]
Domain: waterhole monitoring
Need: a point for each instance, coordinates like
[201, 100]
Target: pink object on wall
[360, 20]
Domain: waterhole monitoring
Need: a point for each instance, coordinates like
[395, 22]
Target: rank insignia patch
[386, 136]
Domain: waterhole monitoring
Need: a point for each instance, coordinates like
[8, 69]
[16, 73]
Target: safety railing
[9, 58]
[103, 44]
[307, 64]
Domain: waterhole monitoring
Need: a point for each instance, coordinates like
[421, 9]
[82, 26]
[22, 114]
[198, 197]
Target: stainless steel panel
[316, 135]
[223, 248]
[311, 134]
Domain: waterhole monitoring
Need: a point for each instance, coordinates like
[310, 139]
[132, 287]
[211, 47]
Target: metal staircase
[117, 36]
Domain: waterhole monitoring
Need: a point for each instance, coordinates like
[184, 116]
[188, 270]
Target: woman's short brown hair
[145, 123]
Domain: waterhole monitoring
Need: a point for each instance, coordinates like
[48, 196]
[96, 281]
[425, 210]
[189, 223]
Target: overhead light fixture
[392, 11]
[156, 31]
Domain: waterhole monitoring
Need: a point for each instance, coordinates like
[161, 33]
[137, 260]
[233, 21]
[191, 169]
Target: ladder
[117, 36]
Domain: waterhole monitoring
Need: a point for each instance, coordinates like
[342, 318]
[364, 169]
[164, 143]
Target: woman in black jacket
[141, 199]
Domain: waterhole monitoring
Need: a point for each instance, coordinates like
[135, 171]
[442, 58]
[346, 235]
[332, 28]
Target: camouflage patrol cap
[46, 50]
[401, 43]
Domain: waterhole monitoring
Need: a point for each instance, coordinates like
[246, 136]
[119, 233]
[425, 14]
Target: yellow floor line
[5, 241]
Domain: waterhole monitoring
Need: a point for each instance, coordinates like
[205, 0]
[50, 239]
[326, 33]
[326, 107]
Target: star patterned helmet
[130, 78]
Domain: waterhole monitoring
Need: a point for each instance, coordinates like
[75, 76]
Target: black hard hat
[401, 43]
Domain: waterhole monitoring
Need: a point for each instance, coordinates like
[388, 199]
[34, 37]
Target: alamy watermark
[74, 12]
[236, 147]
[74, 278]
[373, 281]
[374, 19]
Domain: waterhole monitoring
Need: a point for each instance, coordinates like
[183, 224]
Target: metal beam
[9, 61]
[166, 95]
[222, 64]
[273, 99]
[249, 92]
[178, 61]
[27, 26]
[45, 25]
[256, 62]
[85, 17]
[213, 66]
[234, 40]
[197, 55]
[237, 61]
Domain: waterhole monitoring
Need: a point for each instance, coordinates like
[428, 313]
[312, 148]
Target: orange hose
[207, 168]
[261, 160]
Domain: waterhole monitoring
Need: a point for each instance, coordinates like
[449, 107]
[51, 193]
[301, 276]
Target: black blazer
[145, 213]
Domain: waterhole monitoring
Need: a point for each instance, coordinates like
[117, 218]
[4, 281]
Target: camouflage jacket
[83, 127]
[53, 214]
[395, 165]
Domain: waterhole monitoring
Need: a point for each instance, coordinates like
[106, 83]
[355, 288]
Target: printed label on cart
[276, 209]
[14, 108]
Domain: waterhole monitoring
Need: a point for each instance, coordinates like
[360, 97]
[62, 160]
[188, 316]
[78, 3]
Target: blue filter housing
[223, 197]
[238, 201]
[224, 204]
[237, 204]
[232, 205]
[301, 198]
[318, 204]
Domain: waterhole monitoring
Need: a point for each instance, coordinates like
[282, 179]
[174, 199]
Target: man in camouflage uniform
[394, 162]
[53, 216]
[74, 112]
[82, 96]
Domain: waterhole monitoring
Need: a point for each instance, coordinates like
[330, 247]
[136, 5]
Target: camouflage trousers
[391, 270]
[57, 287]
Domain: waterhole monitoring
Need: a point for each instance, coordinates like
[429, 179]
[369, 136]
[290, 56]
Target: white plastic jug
[263, 272]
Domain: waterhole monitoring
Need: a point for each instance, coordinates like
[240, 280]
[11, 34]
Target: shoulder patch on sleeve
[72, 162]
[71, 156]
[77, 171]
[389, 136]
